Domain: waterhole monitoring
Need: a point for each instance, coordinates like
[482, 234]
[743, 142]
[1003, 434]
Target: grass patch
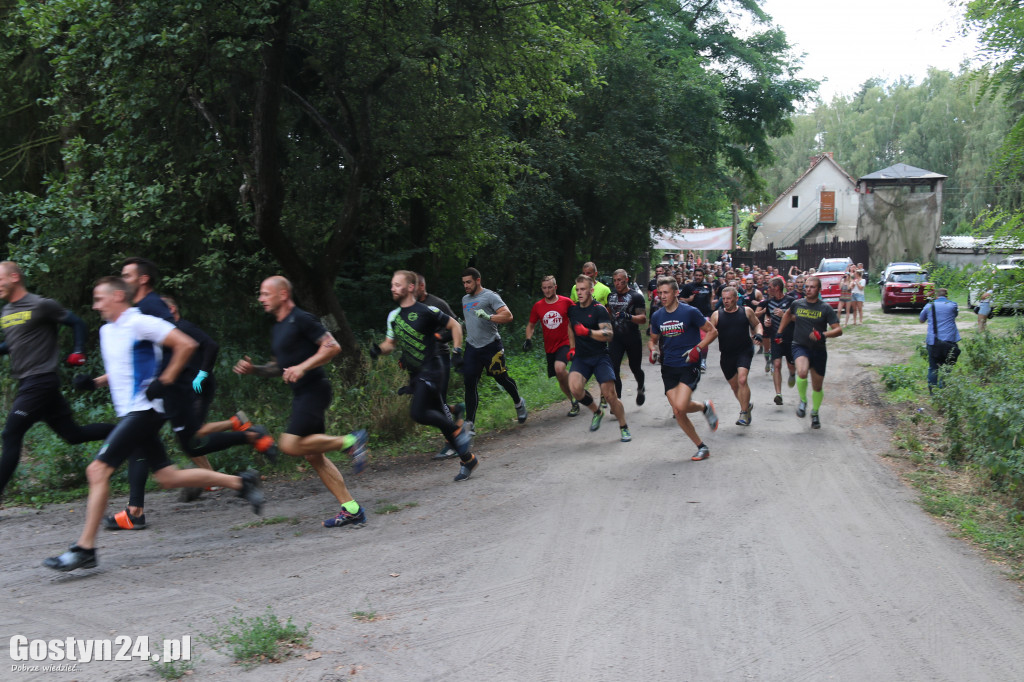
[259, 639]
[269, 521]
[385, 508]
[173, 670]
[366, 616]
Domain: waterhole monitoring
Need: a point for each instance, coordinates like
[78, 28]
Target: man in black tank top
[734, 324]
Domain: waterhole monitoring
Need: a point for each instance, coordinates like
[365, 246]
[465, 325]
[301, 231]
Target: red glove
[580, 330]
[76, 359]
[571, 354]
[694, 354]
[816, 335]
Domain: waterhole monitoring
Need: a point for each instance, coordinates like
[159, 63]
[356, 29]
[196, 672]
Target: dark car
[906, 288]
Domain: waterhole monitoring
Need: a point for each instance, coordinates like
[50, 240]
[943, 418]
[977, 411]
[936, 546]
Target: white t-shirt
[132, 355]
[859, 285]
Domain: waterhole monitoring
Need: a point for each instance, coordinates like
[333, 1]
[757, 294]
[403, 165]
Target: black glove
[758, 338]
[528, 345]
[374, 351]
[83, 382]
[405, 390]
[156, 390]
[458, 360]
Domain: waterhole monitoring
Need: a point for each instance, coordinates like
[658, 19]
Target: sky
[848, 42]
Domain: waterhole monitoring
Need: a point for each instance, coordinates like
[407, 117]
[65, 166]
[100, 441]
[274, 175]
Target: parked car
[1007, 283]
[894, 266]
[834, 265]
[830, 286]
[906, 287]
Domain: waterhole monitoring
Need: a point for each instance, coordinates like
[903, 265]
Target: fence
[808, 255]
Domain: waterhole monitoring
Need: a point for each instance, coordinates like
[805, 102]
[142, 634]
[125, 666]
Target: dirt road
[790, 554]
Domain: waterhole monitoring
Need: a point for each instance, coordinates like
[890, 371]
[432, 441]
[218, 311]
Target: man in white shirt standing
[131, 345]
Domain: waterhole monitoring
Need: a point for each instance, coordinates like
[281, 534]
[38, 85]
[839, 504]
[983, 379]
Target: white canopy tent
[707, 239]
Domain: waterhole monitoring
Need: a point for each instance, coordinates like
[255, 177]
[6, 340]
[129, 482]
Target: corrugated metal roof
[902, 171]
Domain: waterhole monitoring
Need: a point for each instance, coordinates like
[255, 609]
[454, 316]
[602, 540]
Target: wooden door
[827, 207]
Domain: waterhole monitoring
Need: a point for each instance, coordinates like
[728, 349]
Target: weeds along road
[790, 554]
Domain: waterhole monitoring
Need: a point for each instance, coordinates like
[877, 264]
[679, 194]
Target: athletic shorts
[783, 350]
[309, 404]
[598, 366]
[560, 355]
[731, 363]
[673, 376]
[136, 436]
[489, 358]
[818, 358]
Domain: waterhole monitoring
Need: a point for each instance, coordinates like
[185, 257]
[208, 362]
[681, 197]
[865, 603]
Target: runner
[444, 352]
[552, 312]
[130, 343]
[590, 330]
[698, 294]
[30, 337]
[734, 324]
[483, 311]
[773, 308]
[301, 348]
[141, 277]
[628, 311]
[413, 328]
[192, 405]
[601, 290]
[812, 319]
[681, 325]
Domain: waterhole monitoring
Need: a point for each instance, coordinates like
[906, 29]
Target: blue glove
[197, 383]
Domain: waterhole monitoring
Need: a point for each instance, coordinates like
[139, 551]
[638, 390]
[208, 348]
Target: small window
[796, 201]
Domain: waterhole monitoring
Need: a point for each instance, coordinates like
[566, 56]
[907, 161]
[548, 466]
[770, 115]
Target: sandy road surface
[788, 555]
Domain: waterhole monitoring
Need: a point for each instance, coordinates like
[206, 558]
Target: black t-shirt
[204, 357]
[294, 340]
[702, 300]
[774, 310]
[590, 317]
[632, 303]
[30, 330]
[413, 329]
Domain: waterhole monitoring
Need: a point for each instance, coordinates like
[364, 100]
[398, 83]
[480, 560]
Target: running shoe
[703, 365]
[521, 413]
[464, 439]
[466, 470]
[791, 382]
[778, 398]
[702, 453]
[709, 414]
[640, 396]
[624, 434]
[252, 490]
[742, 420]
[595, 421]
[574, 410]
[189, 494]
[468, 425]
[265, 443]
[240, 421]
[767, 364]
[360, 455]
[801, 409]
[122, 520]
[72, 559]
[446, 452]
[815, 422]
[344, 518]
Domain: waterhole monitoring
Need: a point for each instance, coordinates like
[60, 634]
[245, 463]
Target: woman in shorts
[846, 297]
[857, 293]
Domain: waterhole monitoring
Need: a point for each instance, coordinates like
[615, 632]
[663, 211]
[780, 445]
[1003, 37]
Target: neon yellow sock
[352, 507]
[348, 440]
[816, 398]
[801, 389]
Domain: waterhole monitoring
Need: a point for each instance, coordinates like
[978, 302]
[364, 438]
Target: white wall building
[821, 205]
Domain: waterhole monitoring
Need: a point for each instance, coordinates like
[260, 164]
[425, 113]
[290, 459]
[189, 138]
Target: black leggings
[490, 358]
[39, 400]
[629, 345]
[427, 406]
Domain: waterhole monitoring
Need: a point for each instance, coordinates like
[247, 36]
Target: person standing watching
[943, 336]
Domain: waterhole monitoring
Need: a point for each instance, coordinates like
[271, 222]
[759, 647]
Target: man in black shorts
[301, 348]
[413, 328]
[30, 337]
[773, 308]
[734, 324]
[131, 345]
[590, 330]
[628, 310]
[814, 322]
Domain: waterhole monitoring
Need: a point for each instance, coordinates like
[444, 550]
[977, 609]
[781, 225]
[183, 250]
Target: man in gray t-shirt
[483, 311]
[29, 324]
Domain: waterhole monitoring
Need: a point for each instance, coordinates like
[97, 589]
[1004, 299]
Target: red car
[906, 289]
[830, 284]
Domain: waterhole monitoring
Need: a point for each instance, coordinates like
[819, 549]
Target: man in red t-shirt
[552, 312]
